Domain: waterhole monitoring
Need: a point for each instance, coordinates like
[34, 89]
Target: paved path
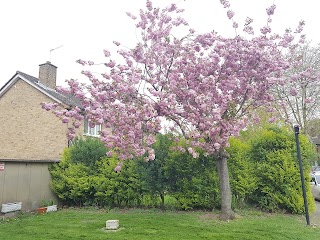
[315, 217]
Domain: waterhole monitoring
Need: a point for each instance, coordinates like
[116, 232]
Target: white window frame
[88, 131]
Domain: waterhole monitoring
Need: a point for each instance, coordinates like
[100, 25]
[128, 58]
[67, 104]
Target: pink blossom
[302, 39]
[270, 10]
[106, 75]
[71, 134]
[248, 21]
[118, 167]
[230, 14]
[248, 29]
[110, 64]
[116, 43]
[225, 3]
[300, 27]
[195, 155]
[49, 106]
[272, 119]
[265, 30]
[149, 5]
[106, 53]
[109, 153]
[77, 124]
[82, 62]
[65, 120]
[172, 7]
[256, 120]
[204, 85]
[235, 25]
[293, 92]
[152, 155]
[217, 146]
[309, 100]
[131, 15]
[87, 73]
[63, 90]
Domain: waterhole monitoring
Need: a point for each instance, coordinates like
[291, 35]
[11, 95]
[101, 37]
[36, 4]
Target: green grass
[154, 224]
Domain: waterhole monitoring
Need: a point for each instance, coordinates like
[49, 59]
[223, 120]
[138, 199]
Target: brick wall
[28, 131]
[48, 74]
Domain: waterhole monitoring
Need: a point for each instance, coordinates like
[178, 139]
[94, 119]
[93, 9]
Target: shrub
[117, 189]
[193, 182]
[71, 181]
[273, 153]
[87, 151]
[72, 178]
[152, 173]
[243, 179]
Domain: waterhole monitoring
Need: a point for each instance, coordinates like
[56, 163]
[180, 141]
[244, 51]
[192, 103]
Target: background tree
[299, 93]
[313, 127]
[205, 85]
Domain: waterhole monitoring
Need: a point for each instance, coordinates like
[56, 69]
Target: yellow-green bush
[269, 158]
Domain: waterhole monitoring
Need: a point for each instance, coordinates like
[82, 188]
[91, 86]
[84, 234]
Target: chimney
[48, 75]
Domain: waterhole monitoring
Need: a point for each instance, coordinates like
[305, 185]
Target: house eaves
[66, 99]
[30, 160]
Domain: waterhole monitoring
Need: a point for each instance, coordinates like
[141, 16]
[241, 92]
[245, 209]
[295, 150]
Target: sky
[81, 29]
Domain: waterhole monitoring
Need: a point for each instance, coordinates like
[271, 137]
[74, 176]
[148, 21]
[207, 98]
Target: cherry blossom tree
[205, 86]
[299, 93]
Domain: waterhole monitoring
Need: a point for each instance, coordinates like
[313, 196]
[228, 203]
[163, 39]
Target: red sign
[2, 166]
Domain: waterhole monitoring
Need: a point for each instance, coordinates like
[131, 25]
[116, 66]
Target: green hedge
[263, 170]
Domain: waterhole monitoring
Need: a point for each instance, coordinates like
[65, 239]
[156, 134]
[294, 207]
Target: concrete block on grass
[112, 224]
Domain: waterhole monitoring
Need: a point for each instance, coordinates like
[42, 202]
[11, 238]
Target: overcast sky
[31, 28]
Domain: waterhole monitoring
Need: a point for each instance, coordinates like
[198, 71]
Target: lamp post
[296, 132]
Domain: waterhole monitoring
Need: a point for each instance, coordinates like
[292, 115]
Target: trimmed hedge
[263, 170]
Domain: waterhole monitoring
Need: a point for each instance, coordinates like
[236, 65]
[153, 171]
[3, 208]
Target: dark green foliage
[192, 181]
[87, 151]
[117, 189]
[152, 173]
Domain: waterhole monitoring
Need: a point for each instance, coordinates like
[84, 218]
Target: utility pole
[296, 132]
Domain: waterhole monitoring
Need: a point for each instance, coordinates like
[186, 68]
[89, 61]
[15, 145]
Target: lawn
[154, 224]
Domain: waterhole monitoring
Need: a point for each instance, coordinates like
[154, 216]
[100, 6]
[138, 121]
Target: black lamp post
[296, 132]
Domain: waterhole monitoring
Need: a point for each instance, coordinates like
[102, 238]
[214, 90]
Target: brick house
[31, 138]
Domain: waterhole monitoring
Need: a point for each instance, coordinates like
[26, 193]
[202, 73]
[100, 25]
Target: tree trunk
[225, 190]
[162, 200]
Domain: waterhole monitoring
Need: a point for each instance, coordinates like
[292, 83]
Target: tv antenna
[51, 50]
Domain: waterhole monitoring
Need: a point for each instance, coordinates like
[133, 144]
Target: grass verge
[155, 224]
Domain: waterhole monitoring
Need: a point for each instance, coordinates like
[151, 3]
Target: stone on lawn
[112, 224]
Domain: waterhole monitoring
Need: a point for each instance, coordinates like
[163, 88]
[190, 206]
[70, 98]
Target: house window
[92, 131]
